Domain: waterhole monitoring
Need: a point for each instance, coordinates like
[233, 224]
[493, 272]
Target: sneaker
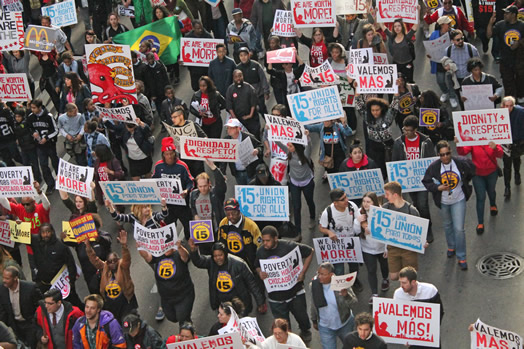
[312, 223]
[463, 265]
[49, 191]
[453, 102]
[480, 229]
[370, 302]
[507, 192]
[160, 314]
[306, 335]
[517, 178]
[451, 253]
[493, 210]
[444, 97]
[357, 286]
[385, 285]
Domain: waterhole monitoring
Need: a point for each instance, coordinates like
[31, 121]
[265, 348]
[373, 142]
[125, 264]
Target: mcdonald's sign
[38, 38]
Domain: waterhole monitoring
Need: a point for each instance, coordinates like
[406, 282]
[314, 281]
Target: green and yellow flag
[165, 34]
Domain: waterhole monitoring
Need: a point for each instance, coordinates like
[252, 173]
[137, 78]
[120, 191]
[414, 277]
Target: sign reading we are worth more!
[199, 52]
[263, 203]
[74, 179]
[485, 336]
[313, 13]
[283, 24]
[216, 149]
[479, 127]
[314, 106]
[342, 250]
[14, 88]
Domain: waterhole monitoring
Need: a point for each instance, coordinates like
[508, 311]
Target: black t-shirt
[352, 340]
[172, 276]
[507, 34]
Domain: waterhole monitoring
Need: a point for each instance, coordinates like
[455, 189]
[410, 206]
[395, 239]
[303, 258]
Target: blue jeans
[219, 28]
[297, 306]
[308, 190]
[328, 337]
[241, 177]
[483, 185]
[446, 84]
[453, 217]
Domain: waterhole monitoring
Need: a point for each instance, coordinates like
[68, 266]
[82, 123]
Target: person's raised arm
[41, 196]
[184, 255]
[146, 255]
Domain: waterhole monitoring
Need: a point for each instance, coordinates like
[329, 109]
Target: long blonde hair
[137, 211]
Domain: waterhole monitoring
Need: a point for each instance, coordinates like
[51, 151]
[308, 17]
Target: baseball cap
[243, 49]
[511, 9]
[236, 11]
[444, 20]
[233, 122]
[130, 322]
[231, 204]
[262, 170]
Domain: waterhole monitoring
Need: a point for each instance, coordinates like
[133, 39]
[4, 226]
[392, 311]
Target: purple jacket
[107, 323]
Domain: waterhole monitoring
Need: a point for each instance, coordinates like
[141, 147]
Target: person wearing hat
[138, 334]
[444, 24]
[457, 18]
[241, 33]
[253, 74]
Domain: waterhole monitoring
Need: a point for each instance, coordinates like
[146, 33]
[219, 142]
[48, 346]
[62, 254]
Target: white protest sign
[409, 173]
[278, 169]
[398, 229]
[155, 241]
[125, 113]
[283, 24]
[125, 11]
[357, 183]
[11, 31]
[283, 55]
[401, 322]
[74, 179]
[188, 130]
[479, 127]
[376, 78]
[346, 92]
[62, 13]
[285, 130]
[485, 336]
[342, 250]
[199, 52]
[342, 282]
[360, 56]
[436, 49]
[315, 106]
[478, 96]
[350, 7]
[319, 76]
[276, 151]
[263, 203]
[215, 149]
[282, 272]
[389, 10]
[251, 329]
[12, 6]
[5, 234]
[16, 182]
[61, 282]
[170, 189]
[129, 193]
[223, 341]
[14, 87]
[245, 152]
[313, 13]
[380, 58]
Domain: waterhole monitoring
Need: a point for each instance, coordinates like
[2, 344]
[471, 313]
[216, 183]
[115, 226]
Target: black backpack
[331, 221]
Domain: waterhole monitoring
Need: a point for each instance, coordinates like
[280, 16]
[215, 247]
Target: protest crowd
[217, 182]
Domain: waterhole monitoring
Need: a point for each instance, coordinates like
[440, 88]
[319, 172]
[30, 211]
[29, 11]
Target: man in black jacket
[241, 103]
[254, 74]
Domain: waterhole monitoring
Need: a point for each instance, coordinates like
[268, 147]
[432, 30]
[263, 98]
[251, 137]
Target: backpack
[470, 50]
[331, 221]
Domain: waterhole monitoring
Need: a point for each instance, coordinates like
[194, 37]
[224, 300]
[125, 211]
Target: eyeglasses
[459, 39]
[27, 203]
[112, 261]
[444, 154]
[342, 198]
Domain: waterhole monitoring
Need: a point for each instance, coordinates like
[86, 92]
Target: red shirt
[37, 217]
[318, 54]
[204, 103]
[413, 149]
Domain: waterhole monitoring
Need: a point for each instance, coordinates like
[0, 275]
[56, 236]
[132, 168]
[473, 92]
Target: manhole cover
[501, 265]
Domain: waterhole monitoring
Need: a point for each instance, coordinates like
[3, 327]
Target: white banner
[245, 152]
[129, 193]
[315, 106]
[478, 96]
[342, 282]
[283, 24]
[215, 149]
[188, 130]
[14, 87]
[74, 179]
[342, 250]
[485, 336]
[357, 183]
[317, 13]
[375, 78]
[323, 75]
[61, 282]
[155, 241]
[125, 11]
[409, 173]
[436, 49]
[199, 52]
[223, 341]
[12, 25]
[389, 10]
[263, 203]
[350, 7]
[285, 130]
[360, 56]
[5, 234]
[16, 182]
[170, 189]
[282, 272]
[62, 13]
[479, 127]
[250, 328]
[125, 113]
[278, 169]
[12, 6]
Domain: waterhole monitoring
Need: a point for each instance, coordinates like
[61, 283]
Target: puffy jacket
[71, 314]
[49, 257]
[484, 158]
[141, 136]
[348, 166]
[427, 149]
[109, 334]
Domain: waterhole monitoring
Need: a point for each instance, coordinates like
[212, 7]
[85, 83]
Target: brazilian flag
[165, 34]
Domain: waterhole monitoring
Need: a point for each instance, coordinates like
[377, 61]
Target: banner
[199, 52]
[342, 282]
[62, 13]
[245, 152]
[282, 272]
[278, 169]
[250, 329]
[84, 228]
[319, 76]
[284, 55]
[14, 87]
[263, 203]
[215, 149]
[409, 173]
[429, 117]
[170, 189]
[123, 11]
[342, 250]
[433, 4]
[70, 236]
[346, 92]
[129, 193]
[315, 106]
[376, 78]
[380, 58]
[11, 6]
[5, 234]
[313, 13]
[11, 30]
[75, 179]
[357, 183]
[360, 56]
[389, 10]
[201, 231]
[111, 73]
[350, 7]
[277, 152]
[16, 182]
[436, 49]
[285, 130]
[479, 127]
[398, 229]
[125, 113]
[188, 130]
[61, 282]
[156, 241]
[401, 322]
[20, 232]
[478, 96]
[283, 24]
[222, 341]
[485, 336]
[38, 38]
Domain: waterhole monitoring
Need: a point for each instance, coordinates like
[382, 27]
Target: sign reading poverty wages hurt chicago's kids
[285, 130]
[278, 169]
[314, 106]
[283, 272]
[319, 76]
[485, 336]
[221, 341]
[38, 38]
[62, 13]
[251, 329]
[350, 7]
[199, 52]
[283, 55]
[263, 203]
[170, 189]
[313, 13]
[398, 229]
[409, 173]
[156, 241]
[16, 181]
[436, 49]
[429, 117]
[479, 127]
[111, 73]
[124, 113]
[342, 250]
[201, 231]
[83, 228]
[401, 322]
[374, 78]
[340, 282]
[357, 183]
[130, 193]
[74, 179]
[389, 10]
[14, 88]
[283, 24]
[188, 130]
[12, 6]
[20, 232]
[216, 149]
[61, 282]
[11, 31]
[5, 234]
[477, 96]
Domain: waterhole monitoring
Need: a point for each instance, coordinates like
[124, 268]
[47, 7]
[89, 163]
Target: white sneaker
[453, 103]
[444, 97]
[427, 34]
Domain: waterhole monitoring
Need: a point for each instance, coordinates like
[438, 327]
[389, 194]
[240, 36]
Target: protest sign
[199, 52]
[282, 272]
[479, 127]
[222, 341]
[70, 236]
[284, 55]
[20, 232]
[342, 282]
[169, 189]
[278, 169]
[380, 58]
[350, 7]
[375, 78]
[429, 117]
[12, 6]
[5, 234]
[156, 241]
[433, 4]
[436, 49]
[158, 3]
[315, 106]
[62, 13]
[11, 31]
[16, 182]
[215, 149]
[398, 229]
[283, 24]
[360, 56]
[38, 38]
[357, 183]
[285, 130]
[405, 102]
[188, 130]
[277, 152]
[61, 282]
[245, 152]
[313, 13]
[201, 231]
[83, 228]
[129, 193]
[251, 330]
[263, 203]
[14, 88]
[74, 179]
[478, 96]
[125, 113]
[485, 336]
[346, 92]
[409, 173]
[389, 10]
[401, 322]
[319, 76]
[111, 73]
[342, 250]
[125, 11]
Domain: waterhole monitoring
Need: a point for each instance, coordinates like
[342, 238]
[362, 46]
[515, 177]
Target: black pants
[297, 306]
[511, 161]
[9, 152]
[214, 130]
[46, 152]
[371, 264]
[25, 331]
[181, 213]
[179, 311]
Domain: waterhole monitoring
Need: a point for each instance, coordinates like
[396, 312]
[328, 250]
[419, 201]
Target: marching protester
[364, 337]
[514, 151]
[281, 335]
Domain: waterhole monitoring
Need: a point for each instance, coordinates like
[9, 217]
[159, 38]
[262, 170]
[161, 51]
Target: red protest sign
[313, 13]
[84, 228]
[199, 52]
[284, 55]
